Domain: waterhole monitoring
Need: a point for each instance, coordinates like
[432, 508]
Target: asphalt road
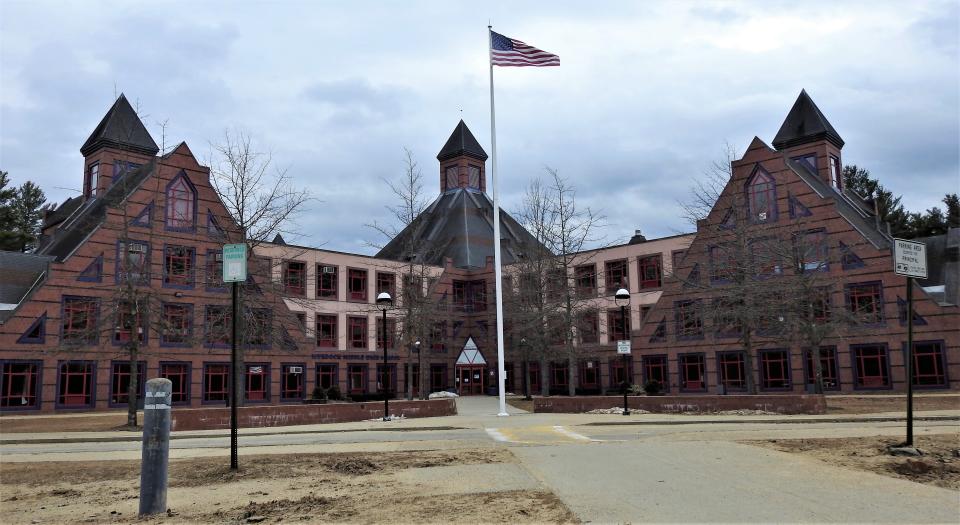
[606, 471]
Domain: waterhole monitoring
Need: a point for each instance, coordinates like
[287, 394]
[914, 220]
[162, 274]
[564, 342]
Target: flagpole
[498, 284]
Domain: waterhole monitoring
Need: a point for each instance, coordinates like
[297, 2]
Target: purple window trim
[681, 372]
[788, 372]
[269, 333]
[717, 361]
[41, 322]
[122, 166]
[212, 223]
[854, 364]
[336, 374]
[145, 325]
[394, 379]
[728, 222]
[118, 273]
[97, 266]
[365, 389]
[95, 340]
[918, 320]
[772, 206]
[665, 384]
[166, 205]
[695, 304]
[144, 219]
[142, 386]
[797, 208]
[218, 289]
[808, 374]
[823, 241]
[847, 303]
[92, 385]
[189, 337]
[942, 358]
[37, 385]
[189, 379]
[206, 327]
[855, 260]
[660, 332]
[713, 252]
[268, 383]
[203, 383]
[284, 366]
[193, 268]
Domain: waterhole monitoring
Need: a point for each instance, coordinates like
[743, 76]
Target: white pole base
[503, 414]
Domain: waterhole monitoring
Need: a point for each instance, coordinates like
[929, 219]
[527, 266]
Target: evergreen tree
[21, 210]
[7, 229]
[891, 210]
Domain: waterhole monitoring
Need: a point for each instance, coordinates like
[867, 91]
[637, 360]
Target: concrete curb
[883, 419]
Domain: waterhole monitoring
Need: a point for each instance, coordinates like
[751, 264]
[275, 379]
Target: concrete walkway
[479, 406]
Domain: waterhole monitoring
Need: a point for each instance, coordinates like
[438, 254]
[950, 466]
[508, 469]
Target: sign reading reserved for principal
[910, 258]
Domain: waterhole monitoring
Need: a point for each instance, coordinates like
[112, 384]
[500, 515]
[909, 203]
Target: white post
[501, 373]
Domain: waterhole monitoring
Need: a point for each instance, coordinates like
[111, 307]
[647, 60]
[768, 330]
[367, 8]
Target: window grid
[358, 332]
[357, 285]
[216, 382]
[692, 372]
[179, 376]
[295, 278]
[20, 385]
[326, 331]
[774, 370]
[616, 276]
[76, 383]
[650, 271]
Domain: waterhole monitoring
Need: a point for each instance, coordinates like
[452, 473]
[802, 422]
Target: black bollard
[156, 447]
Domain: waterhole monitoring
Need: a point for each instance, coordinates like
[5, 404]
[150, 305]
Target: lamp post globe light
[416, 347]
[384, 303]
[622, 299]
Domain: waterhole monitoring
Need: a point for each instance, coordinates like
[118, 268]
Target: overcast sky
[645, 98]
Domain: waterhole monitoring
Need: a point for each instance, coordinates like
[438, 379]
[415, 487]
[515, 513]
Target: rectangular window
[615, 273]
[692, 376]
[387, 282]
[438, 377]
[828, 367]
[179, 376]
[217, 323]
[588, 327]
[216, 382]
[133, 262]
[357, 285]
[811, 248]
[214, 269]
[928, 364]
[438, 336]
[865, 301]
[870, 366]
[722, 264]
[292, 382]
[80, 320]
[259, 327]
[91, 180]
[533, 371]
[730, 366]
[326, 281]
[726, 321]
[357, 332]
[559, 378]
[20, 384]
[391, 334]
[470, 296]
[766, 261]
[76, 384]
[618, 325]
[178, 266]
[357, 379]
[688, 319]
[676, 258]
[836, 179]
[387, 379]
[120, 382]
[585, 280]
[590, 375]
[655, 369]
[327, 376]
[650, 274]
[129, 320]
[295, 278]
[326, 331]
[257, 383]
[177, 327]
[620, 371]
[775, 370]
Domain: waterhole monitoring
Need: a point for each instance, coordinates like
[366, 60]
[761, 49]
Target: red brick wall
[287, 415]
[779, 403]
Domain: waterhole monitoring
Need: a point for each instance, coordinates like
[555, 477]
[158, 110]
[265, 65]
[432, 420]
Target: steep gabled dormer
[462, 161]
[119, 143]
[808, 137]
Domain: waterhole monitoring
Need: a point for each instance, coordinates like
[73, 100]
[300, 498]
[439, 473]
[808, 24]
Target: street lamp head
[384, 301]
[523, 340]
[416, 344]
[622, 297]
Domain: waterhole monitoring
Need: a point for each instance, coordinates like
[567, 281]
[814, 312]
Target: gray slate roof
[62, 212]
[805, 123]
[459, 225]
[461, 142]
[20, 271]
[121, 128]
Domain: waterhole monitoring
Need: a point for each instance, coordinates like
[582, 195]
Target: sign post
[909, 260]
[234, 272]
[623, 348]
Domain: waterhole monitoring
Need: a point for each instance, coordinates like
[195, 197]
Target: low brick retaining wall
[286, 415]
[781, 404]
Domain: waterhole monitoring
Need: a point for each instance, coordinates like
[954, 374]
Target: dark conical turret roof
[805, 123]
[461, 142]
[121, 128]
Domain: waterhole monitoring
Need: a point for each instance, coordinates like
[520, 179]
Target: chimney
[637, 237]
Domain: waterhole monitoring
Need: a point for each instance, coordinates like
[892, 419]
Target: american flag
[509, 52]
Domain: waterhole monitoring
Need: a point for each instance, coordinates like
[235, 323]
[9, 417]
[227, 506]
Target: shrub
[652, 387]
[334, 393]
[319, 393]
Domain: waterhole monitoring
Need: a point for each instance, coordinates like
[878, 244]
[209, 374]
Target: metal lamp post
[416, 346]
[622, 298]
[384, 303]
[526, 368]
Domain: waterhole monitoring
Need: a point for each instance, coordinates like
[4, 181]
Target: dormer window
[91, 180]
[836, 180]
[453, 180]
[762, 196]
[473, 179]
[181, 204]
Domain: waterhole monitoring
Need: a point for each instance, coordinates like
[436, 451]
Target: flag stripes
[507, 51]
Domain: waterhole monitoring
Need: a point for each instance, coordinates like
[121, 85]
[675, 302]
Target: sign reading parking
[234, 263]
[910, 258]
[623, 347]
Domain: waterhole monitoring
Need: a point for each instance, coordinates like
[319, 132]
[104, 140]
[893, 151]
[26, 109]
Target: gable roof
[21, 271]
[461, 142]
[805, 123]
[121, 128]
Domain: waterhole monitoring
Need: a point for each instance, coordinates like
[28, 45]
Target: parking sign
[234, 263]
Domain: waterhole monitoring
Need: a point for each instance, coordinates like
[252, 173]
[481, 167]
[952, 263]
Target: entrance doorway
[471, 370]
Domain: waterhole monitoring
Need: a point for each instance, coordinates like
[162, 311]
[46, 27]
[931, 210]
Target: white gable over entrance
[470, 355]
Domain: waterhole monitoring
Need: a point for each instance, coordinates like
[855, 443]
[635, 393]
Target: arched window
[762, 196]
[181, 204]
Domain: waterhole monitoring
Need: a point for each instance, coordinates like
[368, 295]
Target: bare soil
[521, 403]
[308, 488]
[939, 465]
[843, 404]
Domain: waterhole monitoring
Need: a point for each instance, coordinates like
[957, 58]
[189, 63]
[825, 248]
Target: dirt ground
[939, 465]
[841, 404]
[309, 488]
